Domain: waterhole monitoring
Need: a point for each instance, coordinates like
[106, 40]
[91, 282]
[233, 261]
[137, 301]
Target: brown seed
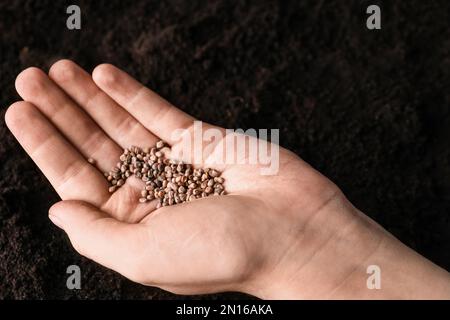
[213, 173]
[172, 186]
[218, 179]
[91, 160]
[168, 180]
[192, 186]
[161, 194]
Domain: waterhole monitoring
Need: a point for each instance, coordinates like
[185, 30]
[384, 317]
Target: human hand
[289, 235]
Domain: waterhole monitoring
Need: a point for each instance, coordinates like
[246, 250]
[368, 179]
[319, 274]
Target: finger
[34, 86]
[66, 169]
[113, 119]
[94, 234]
[155, 113]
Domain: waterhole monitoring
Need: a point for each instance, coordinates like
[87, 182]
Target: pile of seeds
[169, 181]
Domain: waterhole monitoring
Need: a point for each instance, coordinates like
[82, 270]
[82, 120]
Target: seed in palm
[168, 181]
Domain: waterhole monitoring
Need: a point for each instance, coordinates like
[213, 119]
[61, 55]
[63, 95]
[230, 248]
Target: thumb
[96, 235]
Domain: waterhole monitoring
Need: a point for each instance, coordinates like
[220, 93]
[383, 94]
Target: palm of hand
[212, 244]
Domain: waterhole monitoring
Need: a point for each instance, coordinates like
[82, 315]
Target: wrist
[340, 254]
[403, 274]
[329, 245]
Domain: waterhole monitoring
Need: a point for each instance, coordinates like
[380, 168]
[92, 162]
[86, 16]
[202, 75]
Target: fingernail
[56, 221]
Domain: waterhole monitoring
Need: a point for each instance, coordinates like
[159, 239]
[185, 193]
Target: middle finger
[121, 126]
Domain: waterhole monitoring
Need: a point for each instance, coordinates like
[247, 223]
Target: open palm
[212, 244]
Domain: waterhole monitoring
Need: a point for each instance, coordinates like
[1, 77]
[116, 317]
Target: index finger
[155, 113]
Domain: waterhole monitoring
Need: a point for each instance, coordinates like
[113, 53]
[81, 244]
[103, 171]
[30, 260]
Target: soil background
[369, 109]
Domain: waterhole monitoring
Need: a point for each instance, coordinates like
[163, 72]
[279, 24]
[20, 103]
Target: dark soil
[369, 109]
